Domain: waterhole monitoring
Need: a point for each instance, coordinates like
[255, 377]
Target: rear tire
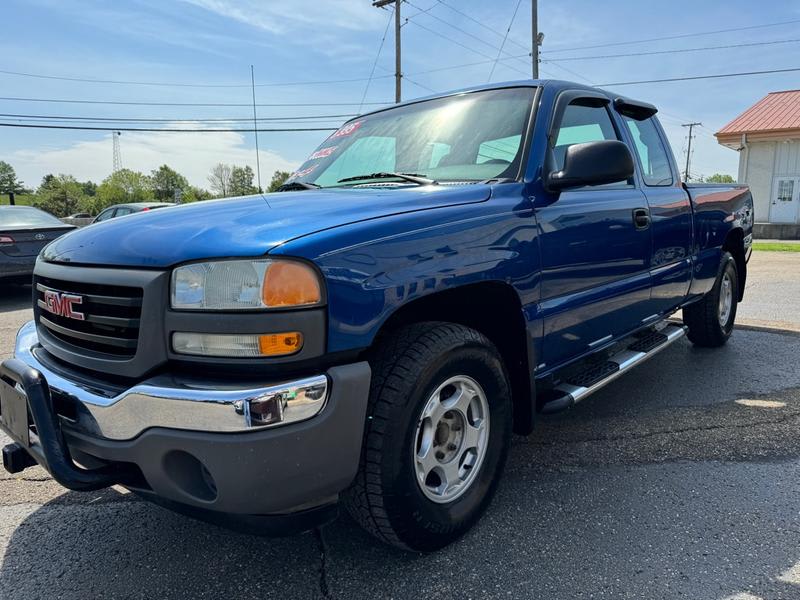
[711, 319]
[436, 437]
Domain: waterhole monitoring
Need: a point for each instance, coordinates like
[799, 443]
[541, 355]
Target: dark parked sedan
[24, 231]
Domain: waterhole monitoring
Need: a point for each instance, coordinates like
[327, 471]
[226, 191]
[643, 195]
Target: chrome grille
[111, 316]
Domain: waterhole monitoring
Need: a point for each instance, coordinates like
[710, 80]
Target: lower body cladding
[272, 478]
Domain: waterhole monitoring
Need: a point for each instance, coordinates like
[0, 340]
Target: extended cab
[433, 277]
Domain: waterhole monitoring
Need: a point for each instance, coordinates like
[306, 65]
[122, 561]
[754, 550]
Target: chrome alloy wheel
[725, 299]
[451, 439]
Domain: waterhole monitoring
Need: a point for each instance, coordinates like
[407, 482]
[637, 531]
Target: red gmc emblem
[62, 304]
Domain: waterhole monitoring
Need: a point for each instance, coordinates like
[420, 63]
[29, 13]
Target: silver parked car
[119, 210]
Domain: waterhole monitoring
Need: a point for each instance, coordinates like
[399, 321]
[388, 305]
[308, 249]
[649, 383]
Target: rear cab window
[651, 152]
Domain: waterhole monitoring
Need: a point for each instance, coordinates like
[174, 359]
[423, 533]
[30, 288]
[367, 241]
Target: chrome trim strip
[164, 401]
[601, 341]
[88, 337]
[132, 301]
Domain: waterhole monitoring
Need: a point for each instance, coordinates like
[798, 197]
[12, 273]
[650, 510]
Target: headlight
[244, 285]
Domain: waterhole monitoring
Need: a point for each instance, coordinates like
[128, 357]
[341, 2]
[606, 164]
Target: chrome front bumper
[171, 402]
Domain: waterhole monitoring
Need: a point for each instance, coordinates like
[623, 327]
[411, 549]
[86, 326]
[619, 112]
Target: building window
[785, 190]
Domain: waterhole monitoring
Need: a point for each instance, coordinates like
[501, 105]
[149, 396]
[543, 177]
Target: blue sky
[213, 42]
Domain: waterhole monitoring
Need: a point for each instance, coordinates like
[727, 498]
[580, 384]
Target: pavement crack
[323, 566]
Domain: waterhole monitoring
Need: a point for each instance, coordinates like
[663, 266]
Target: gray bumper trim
[278, 470]
[164, 401]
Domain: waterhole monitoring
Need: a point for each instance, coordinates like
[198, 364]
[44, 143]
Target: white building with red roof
[767, 137]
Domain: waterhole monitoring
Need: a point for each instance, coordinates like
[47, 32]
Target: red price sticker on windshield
[303, 173]
[323, 153]
[348, 129]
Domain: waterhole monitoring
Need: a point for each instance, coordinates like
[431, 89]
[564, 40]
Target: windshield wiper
[412, 177]
[296, 186]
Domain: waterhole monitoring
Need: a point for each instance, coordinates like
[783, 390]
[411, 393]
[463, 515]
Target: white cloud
[284, 17]
[192, 154]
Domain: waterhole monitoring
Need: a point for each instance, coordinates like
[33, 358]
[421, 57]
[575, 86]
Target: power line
[375, 63]
[474, 20]
[255, 128]
[416, 83]
[203, 104]
[472, 64]
[463, 31]
[694, 77]
[457, 43]
[675, 51]
[186, 85]
[500, 50]
[176, 120]
[157, 130]
[675, 37]
[568, 70]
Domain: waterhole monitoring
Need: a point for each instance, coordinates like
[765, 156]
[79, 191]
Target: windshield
[26, 216]
[470, 137]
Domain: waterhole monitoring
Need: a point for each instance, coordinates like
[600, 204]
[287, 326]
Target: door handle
[641, 218]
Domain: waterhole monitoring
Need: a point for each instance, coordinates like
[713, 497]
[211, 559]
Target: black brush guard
[51, 451]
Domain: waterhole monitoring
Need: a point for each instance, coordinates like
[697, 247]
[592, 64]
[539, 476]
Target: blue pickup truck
[435, 276]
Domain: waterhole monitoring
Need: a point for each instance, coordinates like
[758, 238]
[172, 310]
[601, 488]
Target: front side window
[468, 137]
[653, 157]
[581, 123]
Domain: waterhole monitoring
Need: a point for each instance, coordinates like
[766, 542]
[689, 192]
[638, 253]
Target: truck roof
[549, 83]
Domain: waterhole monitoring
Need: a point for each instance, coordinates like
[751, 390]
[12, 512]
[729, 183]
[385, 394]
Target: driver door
[595, 258]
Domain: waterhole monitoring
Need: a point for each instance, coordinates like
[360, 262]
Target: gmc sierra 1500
[433, 277]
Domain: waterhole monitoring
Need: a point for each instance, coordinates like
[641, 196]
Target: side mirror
[593, 163]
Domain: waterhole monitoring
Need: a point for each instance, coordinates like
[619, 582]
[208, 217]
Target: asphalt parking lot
[680, 480]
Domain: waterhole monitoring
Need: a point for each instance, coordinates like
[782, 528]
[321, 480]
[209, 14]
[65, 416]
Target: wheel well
[493, 309]
[734, 243]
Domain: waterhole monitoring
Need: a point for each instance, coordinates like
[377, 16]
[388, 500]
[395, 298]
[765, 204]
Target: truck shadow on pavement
[660, 486]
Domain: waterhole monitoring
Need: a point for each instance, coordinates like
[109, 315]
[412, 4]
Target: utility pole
[535, 38]
[398, 72]
[691, 126]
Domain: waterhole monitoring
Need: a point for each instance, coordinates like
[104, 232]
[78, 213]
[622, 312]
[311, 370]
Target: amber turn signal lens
[280, 344]
[290, 284]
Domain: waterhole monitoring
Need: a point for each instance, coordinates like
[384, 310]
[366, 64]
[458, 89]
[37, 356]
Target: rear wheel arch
[494, 309]
[734, 243]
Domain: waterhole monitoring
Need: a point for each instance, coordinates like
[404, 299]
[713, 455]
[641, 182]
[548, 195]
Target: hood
[247, 226]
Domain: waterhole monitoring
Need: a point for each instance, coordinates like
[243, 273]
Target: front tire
[711, 319]
[437, 434]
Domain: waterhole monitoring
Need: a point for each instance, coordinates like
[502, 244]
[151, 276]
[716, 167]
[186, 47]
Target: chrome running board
[579, 385]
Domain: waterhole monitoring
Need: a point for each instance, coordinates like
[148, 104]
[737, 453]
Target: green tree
[720, 178]
[278, 179]
[242, 181]
[195, 194]
[89, 188]
[123, 186]
[60, 195]
[9, 184]
[165, 181]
